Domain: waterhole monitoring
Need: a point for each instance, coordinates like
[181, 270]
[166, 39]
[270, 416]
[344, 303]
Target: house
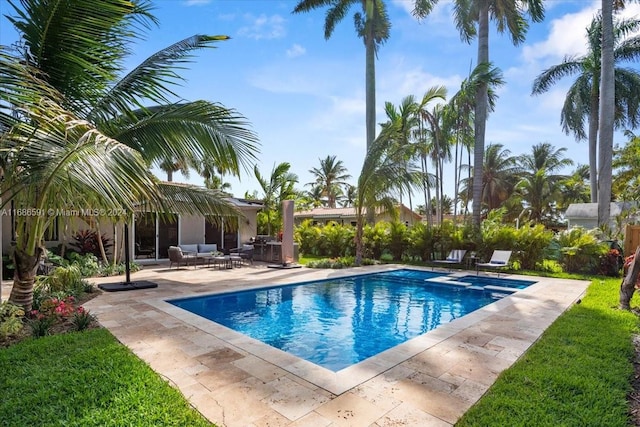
[150, 234]
[586, 214]
[347, 216]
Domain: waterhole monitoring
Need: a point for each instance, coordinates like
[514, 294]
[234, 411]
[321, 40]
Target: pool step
[441, 281]
[500, 289]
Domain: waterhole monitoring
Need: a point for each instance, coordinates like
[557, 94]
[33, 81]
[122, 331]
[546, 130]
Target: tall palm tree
[472, 19]
[583, 97]
[463, 115]
[331, 176]
[379, 179]
[278, 186]
[607, 111]
[540, 182]
[76, 110]
[399, 129]
[421, 140]
[372, 25]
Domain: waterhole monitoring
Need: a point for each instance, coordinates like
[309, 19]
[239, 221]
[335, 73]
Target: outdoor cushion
[189, 248]
[207, 248]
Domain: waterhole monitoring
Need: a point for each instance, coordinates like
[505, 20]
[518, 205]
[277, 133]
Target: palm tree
[463, 115]
[349, 196]
[276, 188]
[575, 188]
[134, 108]
[500, 175]
[399, 129]
[539, 185]
[372, 25]
[607, 112]
[83, 136]
[381, 176]
[626, 183]
[330, 177]
[583, 97]
[422, 146]
[509, 16]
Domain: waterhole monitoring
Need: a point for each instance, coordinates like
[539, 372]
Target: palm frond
[201, 128]
[149, 82]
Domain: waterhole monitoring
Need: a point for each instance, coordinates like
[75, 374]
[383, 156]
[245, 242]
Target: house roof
[327, 212]
[349, 212]
[590, 210]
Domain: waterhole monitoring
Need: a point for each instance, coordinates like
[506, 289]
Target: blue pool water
[335, 323]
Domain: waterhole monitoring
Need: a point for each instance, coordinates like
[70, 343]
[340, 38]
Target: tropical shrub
[53, 311]
[336, 240]
[420, 239]
[307, 236]
[495, 235]
[66, 279]
[10, 319]
[82, 319]
[86, 242]
[398, 240]
[375, 239]
[531, 243]
[610, 264]
[580, 250]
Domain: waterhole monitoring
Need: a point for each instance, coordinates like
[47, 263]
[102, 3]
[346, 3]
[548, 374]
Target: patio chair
[176, 256]
[455, 257]
[499, 259]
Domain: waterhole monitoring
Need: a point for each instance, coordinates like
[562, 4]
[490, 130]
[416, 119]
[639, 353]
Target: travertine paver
[236, 381]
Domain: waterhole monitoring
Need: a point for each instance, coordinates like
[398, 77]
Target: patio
[428, 381]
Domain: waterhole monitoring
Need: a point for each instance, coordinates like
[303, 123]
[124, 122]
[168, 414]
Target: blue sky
[304, 95]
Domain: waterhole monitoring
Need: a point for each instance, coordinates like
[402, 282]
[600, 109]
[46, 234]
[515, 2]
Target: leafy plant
[580, 250]
[10, 319]
[82, 319]
[86, 242]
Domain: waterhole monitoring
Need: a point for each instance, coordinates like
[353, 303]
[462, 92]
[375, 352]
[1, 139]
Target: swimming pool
[336, 323]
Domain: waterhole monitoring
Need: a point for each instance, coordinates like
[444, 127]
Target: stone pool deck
[234, 380]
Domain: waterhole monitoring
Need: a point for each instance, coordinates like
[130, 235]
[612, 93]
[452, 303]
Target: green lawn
[86, 379]
[577, 374]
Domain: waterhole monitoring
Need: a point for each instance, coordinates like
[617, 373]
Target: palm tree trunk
[358, 237]
[26, 267]
[627, 287]
[370, 83]
[593, 139]
[607, 95]
[480, 119]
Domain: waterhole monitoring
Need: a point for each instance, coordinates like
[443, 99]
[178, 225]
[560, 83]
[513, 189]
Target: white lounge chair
[499, 259]
[454, 257]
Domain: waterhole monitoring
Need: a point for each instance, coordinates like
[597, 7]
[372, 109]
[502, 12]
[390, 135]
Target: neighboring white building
[586, 214]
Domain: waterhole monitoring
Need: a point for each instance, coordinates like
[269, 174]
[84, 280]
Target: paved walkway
[236, 381]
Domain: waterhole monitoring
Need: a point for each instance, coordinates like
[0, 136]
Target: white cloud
[263, 27]
[295, 51]
[566, 37]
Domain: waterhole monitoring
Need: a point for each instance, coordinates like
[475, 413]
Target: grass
[86, 379]
[577, 374]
